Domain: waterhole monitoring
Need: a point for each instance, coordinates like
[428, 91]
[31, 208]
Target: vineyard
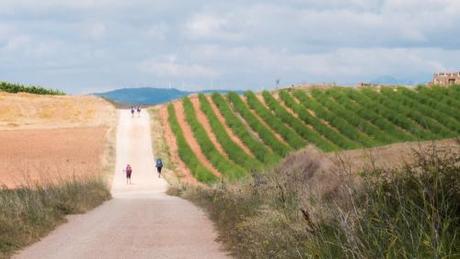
[250, 132]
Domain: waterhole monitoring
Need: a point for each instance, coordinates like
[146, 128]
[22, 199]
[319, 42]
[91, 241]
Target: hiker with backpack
[129, 171]
[159, 166]
[132, 111]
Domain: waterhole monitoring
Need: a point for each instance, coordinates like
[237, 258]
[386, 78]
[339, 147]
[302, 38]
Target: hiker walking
[138, 111]
[159, 166]
[128, 171]
[132, 111]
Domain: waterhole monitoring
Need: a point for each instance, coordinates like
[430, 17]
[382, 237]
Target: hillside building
[444, 78]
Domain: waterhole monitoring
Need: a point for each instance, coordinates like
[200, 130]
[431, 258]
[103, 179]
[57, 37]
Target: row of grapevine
[438, 111]
[260, 151]
[343, 97]
[300, 127]
[406, 118]
[289, 135]
[397, 118]
[331, 119]
[440, 95]
[186, 154]
[222, 164]
[17, 88]
[318, 125]
[234, 152]
[378, 136]
[339, 123]
[264, 133]
[413, 111]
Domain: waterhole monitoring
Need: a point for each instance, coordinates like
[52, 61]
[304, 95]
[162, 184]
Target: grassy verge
[161, 148]
[307, 208]
[29, 213]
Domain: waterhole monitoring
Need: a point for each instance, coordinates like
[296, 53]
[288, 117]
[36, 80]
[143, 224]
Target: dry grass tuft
[30, 212]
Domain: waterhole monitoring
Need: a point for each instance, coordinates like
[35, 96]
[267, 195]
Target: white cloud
[234, 44]
[95, 31]
[206, 26]
[172, 69]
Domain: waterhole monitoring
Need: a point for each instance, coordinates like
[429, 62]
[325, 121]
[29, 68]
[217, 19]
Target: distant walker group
[158, 162]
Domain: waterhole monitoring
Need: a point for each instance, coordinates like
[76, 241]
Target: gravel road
[141, 221]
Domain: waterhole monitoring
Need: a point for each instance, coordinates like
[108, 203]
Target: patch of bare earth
[43, 155]
[230, 133]
[207, 127]
[181, 170]
[45, 138]
[188, 134]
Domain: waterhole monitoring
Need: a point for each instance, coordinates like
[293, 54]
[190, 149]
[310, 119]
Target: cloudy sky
[94, 45]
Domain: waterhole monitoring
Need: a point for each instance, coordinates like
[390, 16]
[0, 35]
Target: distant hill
[148, 95]
[390, 80]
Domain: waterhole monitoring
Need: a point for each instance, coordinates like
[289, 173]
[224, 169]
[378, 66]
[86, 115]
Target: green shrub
[16, 88]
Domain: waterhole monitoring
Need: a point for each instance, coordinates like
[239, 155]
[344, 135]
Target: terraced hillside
[231, 135]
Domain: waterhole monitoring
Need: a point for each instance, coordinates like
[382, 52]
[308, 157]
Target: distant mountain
[148, 95]
[390, 80]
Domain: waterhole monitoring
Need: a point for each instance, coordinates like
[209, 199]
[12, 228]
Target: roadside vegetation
[308, 208]
[30, 212]
[161, 148]
[17, 88]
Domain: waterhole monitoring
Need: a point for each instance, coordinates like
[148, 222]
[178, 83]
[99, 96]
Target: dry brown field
[48, 138]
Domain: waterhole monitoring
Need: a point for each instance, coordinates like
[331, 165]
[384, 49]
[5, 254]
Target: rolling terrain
[232, 135]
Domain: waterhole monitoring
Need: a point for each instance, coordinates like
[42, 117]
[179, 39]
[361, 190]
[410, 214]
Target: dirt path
[141, 221]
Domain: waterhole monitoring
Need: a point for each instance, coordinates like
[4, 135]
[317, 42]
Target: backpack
[159, 163]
